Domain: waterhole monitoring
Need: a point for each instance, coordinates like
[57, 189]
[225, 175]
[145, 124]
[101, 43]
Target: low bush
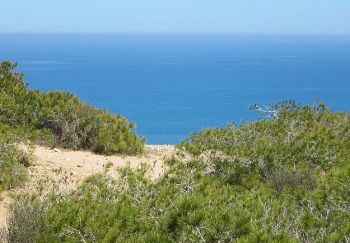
[281, 179]
[300, 137]
[25, 221]
[13, 163]
[61, 119]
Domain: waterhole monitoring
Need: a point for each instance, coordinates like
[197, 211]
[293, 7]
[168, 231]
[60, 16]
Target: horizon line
[176, 33]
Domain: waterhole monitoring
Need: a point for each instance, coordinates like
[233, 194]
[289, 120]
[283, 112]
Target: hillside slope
[65, 169]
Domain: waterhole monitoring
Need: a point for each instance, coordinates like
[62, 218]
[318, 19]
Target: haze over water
[171, 85]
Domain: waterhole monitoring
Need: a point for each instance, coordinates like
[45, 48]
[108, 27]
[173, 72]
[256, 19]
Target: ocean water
[172, 85]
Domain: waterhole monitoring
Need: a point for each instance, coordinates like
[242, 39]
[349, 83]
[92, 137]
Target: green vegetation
[61, 119]
[13, 162]
[55, 119]
[284, 179]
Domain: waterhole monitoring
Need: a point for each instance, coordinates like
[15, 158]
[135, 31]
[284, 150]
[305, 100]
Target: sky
[175, 16]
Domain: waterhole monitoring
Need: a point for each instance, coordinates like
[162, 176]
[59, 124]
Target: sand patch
[66, 168]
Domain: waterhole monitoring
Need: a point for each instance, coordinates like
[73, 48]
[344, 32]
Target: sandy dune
[64, 168]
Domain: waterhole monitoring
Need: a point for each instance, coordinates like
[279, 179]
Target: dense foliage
[300, 138]
[61, 119]
[284, 179]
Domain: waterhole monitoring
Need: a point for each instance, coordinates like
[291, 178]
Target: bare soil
[66, 169]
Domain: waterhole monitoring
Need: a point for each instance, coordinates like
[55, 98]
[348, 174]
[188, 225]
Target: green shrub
[15, 108]
[13, 164]
[61, 119]
[301, 137]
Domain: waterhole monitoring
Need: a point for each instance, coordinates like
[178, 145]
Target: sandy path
[67, 168]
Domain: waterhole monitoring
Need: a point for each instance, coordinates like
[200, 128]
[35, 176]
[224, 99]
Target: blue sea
[172, 85]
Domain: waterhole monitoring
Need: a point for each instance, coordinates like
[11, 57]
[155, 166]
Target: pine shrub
[61, 119]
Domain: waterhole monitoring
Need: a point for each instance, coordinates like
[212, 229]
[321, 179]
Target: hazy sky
[190, 16]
